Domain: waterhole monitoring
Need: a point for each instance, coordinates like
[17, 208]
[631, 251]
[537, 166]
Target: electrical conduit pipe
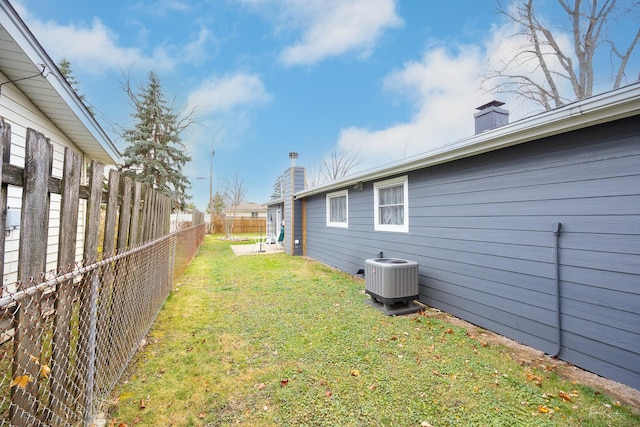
[557, 229]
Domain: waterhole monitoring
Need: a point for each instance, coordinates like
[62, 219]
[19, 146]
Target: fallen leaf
[260, 386]
[21, 381]
[45, 371]
[543, 409]
[284, 383]
[425, 424]
[537, 380]
[201, 415]
[355, 372]
[373, 387]
[449, 331]
[565, 396]
[328, 393]
[142, 405]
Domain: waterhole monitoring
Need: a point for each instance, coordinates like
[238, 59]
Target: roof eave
[603, 108]
[105, 151]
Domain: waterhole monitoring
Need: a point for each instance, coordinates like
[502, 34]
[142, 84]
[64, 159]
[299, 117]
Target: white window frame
[345, 194]
[394, 182]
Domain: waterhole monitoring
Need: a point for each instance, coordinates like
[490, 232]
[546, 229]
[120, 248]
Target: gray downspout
[557, 229]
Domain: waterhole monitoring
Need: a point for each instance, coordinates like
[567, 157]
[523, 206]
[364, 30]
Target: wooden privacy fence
[240, 224]
[67, 335]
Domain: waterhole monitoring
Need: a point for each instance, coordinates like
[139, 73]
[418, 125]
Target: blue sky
[380, 79]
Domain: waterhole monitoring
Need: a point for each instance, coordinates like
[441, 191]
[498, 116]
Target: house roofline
[274, 202]
[36, 54]
[606, 107]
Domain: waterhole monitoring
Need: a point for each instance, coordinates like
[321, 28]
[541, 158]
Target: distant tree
[215, 205]
[65, 69]
[335, 165]
[234, 192]
[155, 154]
[277, 188]
[218, 204]
[539, 70]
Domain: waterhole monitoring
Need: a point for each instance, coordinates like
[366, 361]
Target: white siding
[21, 114]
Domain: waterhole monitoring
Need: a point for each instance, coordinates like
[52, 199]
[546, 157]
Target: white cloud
[199, 49]
[221, 94]
[97, 49]
[445, 89]
[94, 47]
[328, 28]
[333, 28]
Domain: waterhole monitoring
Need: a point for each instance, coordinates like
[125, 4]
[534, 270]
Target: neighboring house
[47, 104]
[483, 218]
[247, 210]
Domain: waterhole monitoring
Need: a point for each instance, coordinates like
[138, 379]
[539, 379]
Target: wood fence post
[89, 295]
[108, 293]
[109, 244]
[146, 214]
[124, 222]
[134, 238]
[69, 207]
[31, 260]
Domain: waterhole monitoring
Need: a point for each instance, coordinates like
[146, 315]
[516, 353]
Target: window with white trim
[338, 209]
[391, 202]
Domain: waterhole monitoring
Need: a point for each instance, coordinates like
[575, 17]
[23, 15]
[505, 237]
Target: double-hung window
[391, 202]
[338, 209]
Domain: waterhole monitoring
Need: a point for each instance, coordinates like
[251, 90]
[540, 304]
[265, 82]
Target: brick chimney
[490, 116]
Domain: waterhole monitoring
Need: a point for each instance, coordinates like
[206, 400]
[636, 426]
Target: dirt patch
[528, 356]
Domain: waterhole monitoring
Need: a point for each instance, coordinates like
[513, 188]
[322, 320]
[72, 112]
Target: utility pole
[213, 153]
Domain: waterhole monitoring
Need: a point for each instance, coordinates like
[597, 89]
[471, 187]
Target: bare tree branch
[588, 22]
[234, 191]
[335, 165]
[624, 58]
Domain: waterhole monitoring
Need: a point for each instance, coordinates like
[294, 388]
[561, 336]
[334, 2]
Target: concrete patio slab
[256, 249]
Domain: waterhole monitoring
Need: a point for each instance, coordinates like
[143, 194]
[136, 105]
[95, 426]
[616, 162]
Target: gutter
[606, 107]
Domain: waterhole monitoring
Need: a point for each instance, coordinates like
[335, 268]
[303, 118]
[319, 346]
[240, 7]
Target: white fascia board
[36, 54]
[609, 106]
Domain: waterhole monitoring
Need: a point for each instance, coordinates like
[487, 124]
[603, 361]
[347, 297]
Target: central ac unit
[391, 280]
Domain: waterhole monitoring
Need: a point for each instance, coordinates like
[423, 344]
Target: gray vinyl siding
[481, 230]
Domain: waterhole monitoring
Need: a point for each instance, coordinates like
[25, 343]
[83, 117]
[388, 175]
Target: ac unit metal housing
[391, 280]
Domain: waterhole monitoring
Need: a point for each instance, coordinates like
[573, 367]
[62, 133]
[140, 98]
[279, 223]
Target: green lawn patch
[275, 340]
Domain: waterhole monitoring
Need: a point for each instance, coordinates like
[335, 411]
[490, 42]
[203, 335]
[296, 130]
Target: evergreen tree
[218, 205]
[67, 72]
[277, 189]
[155, 154]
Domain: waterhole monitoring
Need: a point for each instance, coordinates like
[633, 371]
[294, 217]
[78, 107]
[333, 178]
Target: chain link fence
[66, 337]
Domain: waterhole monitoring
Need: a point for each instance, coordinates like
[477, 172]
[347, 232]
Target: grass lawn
[273, 340]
